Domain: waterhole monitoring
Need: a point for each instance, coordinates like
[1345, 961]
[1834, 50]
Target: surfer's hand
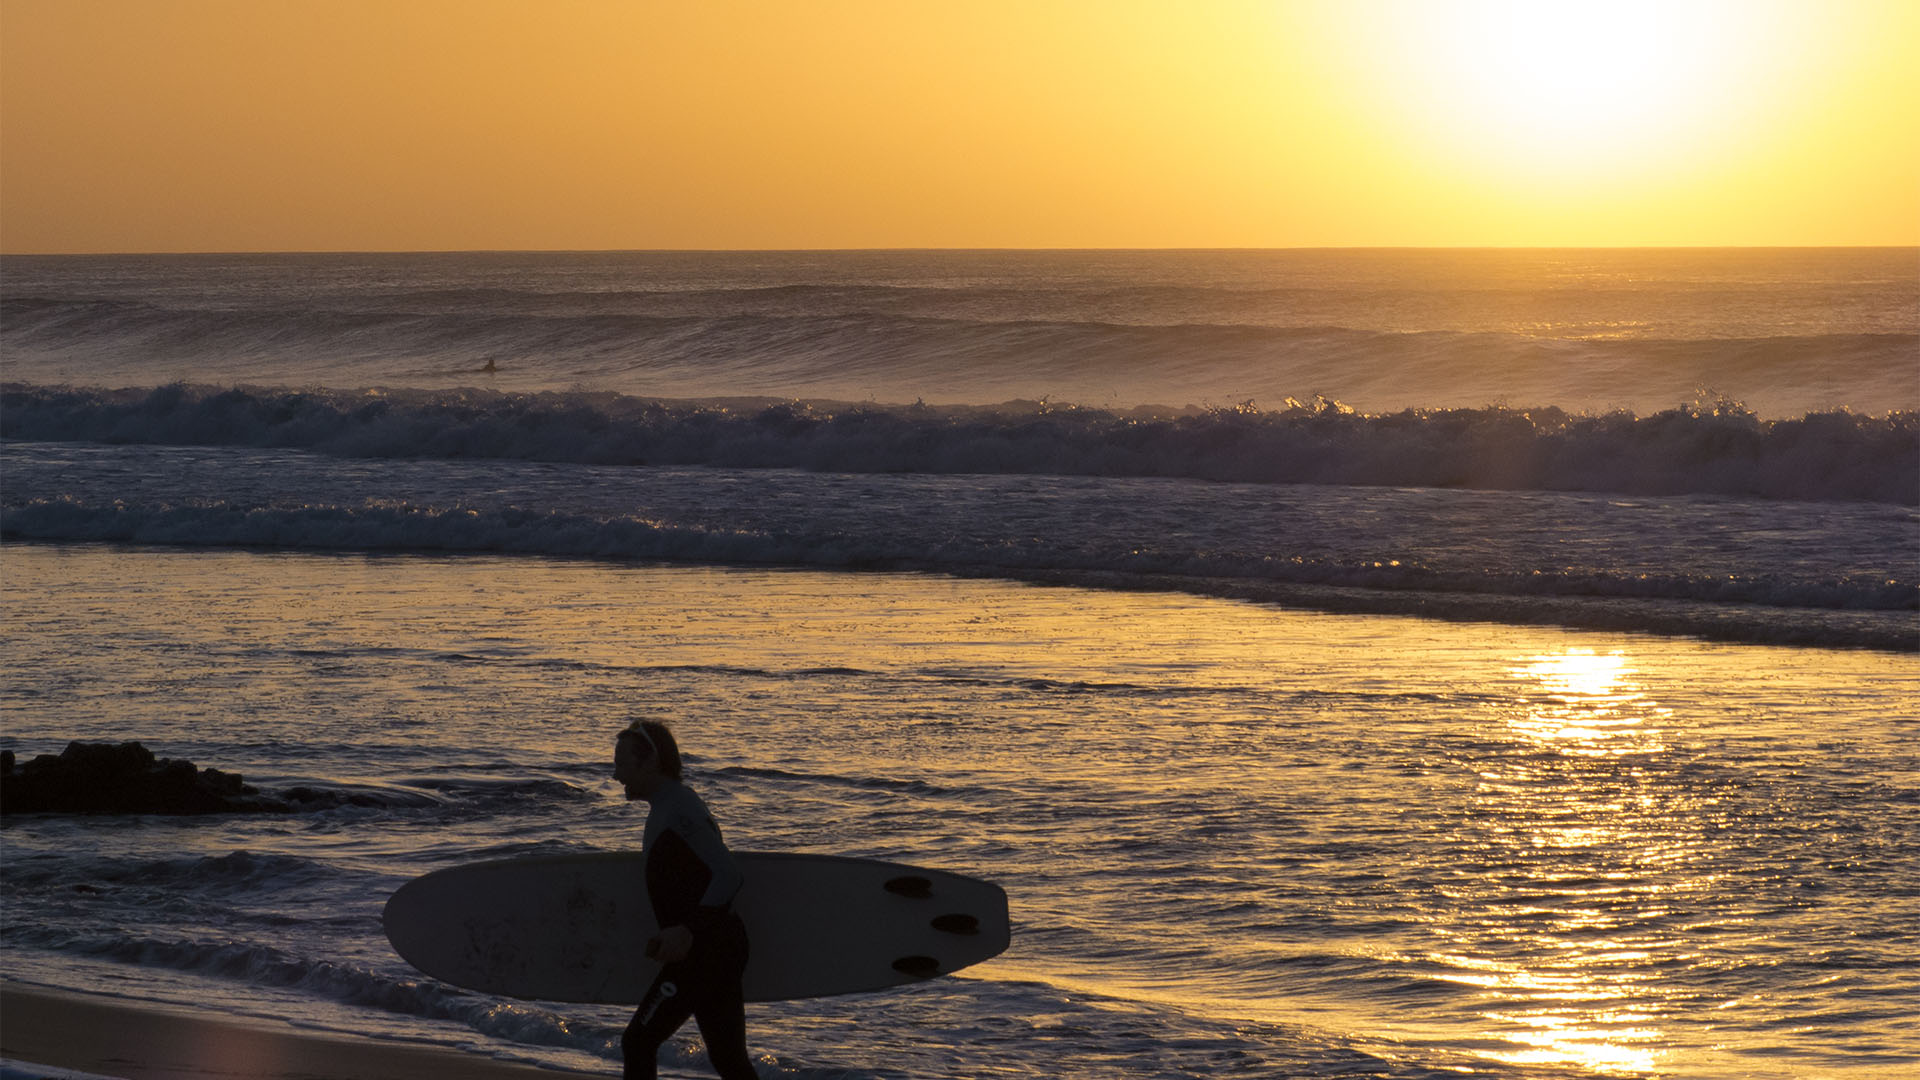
[670, 946]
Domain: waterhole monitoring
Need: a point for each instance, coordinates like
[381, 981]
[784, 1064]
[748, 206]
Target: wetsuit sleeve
[691, 876]
[711, 850]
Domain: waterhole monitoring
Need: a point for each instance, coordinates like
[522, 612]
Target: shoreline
[128, 1040]
[1889, 630]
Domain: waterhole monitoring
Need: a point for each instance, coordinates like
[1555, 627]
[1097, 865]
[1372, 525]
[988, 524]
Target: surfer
[691, 882]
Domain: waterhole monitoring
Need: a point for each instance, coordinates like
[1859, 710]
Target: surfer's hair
[656, 739]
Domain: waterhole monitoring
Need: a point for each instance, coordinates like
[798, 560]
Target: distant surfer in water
[691, 882]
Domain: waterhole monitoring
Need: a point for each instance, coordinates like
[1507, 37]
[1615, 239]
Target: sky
[380, 125]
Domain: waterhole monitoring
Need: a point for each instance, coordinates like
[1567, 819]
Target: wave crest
[1703, 448]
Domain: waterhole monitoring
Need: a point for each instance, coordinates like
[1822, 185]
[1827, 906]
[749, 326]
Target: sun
[1541, 70]
[1548, 85]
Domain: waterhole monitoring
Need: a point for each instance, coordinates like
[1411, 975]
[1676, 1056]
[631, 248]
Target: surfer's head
[644, 749]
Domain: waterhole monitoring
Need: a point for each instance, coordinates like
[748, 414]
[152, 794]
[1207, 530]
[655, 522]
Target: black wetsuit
[691, 881]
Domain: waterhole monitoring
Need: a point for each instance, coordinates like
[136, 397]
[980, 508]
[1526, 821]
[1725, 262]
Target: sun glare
[1620, 85]
[1587, 704]
[1579, 673]
[1595, 70]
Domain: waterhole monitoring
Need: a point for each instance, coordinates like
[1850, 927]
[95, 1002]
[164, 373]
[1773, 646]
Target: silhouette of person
[691, 881]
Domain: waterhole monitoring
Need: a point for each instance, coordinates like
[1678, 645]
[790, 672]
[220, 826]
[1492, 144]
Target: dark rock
[122, 778]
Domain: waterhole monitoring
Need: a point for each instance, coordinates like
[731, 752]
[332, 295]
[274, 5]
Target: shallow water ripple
[1239, 839]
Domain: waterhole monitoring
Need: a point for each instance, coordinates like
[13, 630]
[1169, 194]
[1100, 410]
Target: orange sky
[213, 125]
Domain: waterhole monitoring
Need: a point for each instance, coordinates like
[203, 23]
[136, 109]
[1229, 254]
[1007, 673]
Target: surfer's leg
[723, 1026]
[660, 1014]
[722, 1011]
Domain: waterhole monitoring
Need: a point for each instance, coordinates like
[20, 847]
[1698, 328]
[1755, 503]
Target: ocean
[1353, 663]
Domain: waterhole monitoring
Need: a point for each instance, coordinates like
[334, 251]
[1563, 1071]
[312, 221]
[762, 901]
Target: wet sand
[115, 1038]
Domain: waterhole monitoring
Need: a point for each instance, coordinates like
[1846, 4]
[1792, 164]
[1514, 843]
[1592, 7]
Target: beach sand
[114, 1038]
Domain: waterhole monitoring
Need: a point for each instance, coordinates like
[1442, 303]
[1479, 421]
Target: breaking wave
[1705, 448]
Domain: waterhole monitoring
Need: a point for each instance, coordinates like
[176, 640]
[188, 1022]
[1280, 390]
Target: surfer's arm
[685, 853]
[725, 878]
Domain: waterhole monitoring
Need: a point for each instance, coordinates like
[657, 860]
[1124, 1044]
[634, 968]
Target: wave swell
[979, 344]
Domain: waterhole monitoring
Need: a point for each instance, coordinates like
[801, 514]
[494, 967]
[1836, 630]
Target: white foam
[25, 1070]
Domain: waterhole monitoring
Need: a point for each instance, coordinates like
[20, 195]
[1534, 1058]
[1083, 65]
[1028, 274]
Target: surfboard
[574, 927]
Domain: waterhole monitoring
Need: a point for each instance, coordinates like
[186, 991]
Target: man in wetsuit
[691, 882]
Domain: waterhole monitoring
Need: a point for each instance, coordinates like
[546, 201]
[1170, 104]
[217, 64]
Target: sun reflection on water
[1587, 703]
[1587, 850]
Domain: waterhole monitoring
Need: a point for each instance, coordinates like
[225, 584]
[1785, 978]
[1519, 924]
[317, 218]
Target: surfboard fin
[956, 923]
[911, 886]
[920, 967]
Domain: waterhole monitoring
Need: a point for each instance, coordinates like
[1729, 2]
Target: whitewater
[1354, 663]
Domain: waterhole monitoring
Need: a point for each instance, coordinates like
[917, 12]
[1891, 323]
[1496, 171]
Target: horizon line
[955, 250]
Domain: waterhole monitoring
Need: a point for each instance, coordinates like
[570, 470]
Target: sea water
[1302, 747]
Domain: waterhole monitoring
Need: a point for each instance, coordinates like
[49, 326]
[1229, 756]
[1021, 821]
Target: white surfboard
[574, 927]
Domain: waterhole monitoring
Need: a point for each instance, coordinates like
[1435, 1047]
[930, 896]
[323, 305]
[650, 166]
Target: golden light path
[1591, 706]
[1605, 854]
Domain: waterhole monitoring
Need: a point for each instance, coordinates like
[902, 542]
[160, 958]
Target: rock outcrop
[123, 778]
